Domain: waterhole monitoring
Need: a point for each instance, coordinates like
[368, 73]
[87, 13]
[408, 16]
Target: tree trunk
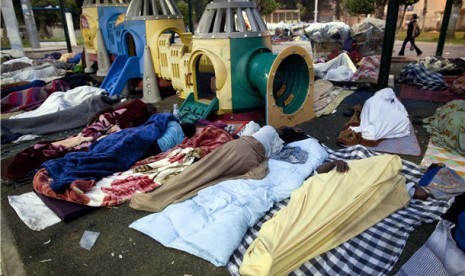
[453, 19]
[379, 8]
[425, 11]
[401, 19]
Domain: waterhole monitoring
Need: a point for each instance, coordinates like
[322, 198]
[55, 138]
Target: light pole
[316, 11]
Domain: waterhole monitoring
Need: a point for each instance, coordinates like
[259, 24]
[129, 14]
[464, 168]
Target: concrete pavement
[56, 250]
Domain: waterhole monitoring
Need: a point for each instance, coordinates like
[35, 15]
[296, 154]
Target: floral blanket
[144, 176]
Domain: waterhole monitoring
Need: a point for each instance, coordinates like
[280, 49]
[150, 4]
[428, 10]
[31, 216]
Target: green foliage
[183, 8]
[266, 6]
[73, 6]
[359, 7]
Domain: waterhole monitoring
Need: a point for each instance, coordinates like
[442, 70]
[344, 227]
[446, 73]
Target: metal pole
[65, 27]
[31, 27]
[316, 11]
[388, 43]
[445, 24]
[191, 22]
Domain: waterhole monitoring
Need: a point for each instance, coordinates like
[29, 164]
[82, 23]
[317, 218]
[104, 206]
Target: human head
[188, 129]
[414, 16]
[291, 134]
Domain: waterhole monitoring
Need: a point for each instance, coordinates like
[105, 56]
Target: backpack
[416, 30]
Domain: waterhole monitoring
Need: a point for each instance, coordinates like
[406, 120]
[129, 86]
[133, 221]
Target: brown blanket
[242, 158]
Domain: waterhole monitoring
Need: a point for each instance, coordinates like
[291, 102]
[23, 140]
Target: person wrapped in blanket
[328, 210]
[128, 114]
[244, 158]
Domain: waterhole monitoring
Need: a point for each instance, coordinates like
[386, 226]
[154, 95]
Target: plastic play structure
[228, 66]
[101, 26]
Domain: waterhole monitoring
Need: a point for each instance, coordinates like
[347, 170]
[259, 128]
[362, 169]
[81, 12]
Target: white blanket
[211, 225]
[46, 72]
[383, 116]
[58, 101]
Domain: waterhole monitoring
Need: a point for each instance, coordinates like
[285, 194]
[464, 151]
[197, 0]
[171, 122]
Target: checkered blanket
[418, 75]
[373, 252]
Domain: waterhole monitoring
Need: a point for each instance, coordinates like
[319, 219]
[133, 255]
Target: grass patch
[434, 37]
[5, 43]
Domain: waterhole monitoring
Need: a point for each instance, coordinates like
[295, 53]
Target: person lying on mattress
[245, 157]
[328, 210]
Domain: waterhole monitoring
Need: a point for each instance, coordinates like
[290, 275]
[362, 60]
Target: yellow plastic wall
[90, 34]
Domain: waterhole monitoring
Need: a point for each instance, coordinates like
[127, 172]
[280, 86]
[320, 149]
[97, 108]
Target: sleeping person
[327, 210]
[245, 157]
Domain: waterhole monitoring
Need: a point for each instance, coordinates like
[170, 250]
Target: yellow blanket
[326, 211]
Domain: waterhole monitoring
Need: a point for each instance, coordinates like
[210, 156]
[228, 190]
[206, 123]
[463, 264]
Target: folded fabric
[438, 256]
[445, 184]
[65, 210]
[116, 152]
[212, 224]
[291, 155]
[32, 211]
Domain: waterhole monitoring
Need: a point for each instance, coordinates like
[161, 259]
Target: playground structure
[228, 66]
[101, 26]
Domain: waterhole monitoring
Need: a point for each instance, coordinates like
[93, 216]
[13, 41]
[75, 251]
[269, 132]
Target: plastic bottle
[176, 110]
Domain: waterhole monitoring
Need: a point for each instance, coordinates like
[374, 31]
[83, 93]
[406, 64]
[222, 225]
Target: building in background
[284, 16]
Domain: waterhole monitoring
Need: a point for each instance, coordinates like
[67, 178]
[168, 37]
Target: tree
[379, 8]
[266, 6]
[339, 8]
[183, 8]
[406, 3]
[456, 6]
[359, 7]
[425, 11]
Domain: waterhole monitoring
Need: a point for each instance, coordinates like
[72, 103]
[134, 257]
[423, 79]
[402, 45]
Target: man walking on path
[412, 32]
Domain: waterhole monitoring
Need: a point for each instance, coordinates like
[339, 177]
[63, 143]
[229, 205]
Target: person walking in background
[412, 32]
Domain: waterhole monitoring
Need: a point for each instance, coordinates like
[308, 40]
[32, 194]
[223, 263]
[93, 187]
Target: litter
[88, 239]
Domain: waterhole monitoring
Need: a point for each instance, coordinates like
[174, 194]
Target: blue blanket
[418, 75]
[114, 153]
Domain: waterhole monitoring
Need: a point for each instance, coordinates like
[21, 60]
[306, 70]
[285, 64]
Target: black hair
[415, 16]
[188, 129]
[291, 134]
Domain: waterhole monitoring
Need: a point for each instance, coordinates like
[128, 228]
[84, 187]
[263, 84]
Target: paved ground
[123, 251]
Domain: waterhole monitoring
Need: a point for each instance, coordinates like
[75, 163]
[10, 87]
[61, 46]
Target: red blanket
[145, 176]
[31, 98]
